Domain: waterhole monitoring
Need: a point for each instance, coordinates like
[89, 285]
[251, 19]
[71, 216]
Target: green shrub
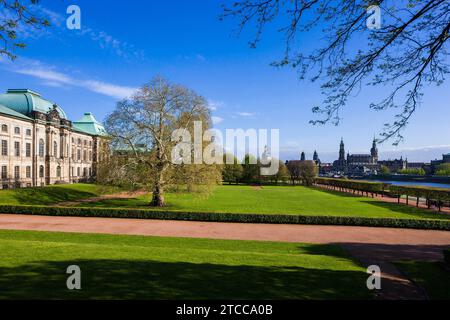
[228, 217]
[359, 185]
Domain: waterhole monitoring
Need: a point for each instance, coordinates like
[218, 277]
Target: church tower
[342, 151]
[374, 151]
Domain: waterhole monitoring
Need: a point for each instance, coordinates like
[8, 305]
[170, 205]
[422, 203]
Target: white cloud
[214, 105]
[245, 114]
[56, 78]
[216, 120]
[58, 27]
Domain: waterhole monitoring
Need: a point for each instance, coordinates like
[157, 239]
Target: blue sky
[121, 46]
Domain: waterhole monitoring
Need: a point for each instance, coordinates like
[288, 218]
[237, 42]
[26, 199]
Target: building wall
[73, 160]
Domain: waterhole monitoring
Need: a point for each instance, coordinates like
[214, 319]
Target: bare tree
[15, 14]
[407, 53]
[143, 125]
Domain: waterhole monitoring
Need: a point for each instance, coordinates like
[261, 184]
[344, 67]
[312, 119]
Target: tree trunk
[158, 196]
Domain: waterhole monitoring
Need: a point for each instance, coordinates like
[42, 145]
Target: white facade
[40, 149]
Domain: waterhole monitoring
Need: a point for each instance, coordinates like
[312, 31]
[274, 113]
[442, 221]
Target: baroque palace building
[40, 146]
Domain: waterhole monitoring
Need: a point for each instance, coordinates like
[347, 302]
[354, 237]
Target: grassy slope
[33, 265]
[280, 199]
[53, 194]
[431, 276]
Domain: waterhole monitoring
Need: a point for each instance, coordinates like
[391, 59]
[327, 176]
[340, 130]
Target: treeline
[248, 171]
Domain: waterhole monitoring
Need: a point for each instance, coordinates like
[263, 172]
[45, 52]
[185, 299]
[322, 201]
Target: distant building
[436, 163]
[357, 163]
[394, 165]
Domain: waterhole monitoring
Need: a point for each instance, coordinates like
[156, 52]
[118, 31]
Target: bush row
[228, 217]
[421, 192]
[366, 186]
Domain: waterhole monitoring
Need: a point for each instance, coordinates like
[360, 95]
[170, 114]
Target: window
[84, 155]
[90, 155]
[58, 171]
[55, 149]
[85, 172]
[79, 142]
[17, 148]
[16, 130]
[28, 172]
[41, 171]
[28, 150]
[41, 147]
[73, 153]
[78, 171]
[78, 154]
[85, 143]
[28, 132]
[4, 172]
[4, 148]
[16, 172]
[4, 128]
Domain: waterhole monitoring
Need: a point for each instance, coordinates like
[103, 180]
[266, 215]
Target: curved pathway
[379, 246]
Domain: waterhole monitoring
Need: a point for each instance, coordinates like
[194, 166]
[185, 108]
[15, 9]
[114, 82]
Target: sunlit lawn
[33, 266]
[278, 200]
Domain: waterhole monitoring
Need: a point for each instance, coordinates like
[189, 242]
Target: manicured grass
[33, 266]
[279, 200]
[53, 194]
[431, 276]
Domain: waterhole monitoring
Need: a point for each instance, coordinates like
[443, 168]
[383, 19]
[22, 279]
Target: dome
[90, 125]
[26, 101]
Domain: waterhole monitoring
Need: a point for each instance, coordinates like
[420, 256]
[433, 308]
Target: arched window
[41, 147]
[41, 171]
[55, 149]
[58, 171]
[4, 128]
[16, 130]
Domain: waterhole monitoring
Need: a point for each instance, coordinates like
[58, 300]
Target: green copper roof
[25, 101]
[10, 112]
[88, 124]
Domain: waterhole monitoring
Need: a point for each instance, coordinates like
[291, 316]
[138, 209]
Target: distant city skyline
[119, 48]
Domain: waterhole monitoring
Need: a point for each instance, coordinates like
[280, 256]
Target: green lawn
[33, 266]
[53, 194]
[279, 199]
[231, 199]
[432, 276]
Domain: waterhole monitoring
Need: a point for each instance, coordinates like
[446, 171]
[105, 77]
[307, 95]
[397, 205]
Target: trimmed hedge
[365, 186]
[227, 217]
[438, 195]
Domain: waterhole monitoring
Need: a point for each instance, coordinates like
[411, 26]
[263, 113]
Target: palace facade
[39, 146]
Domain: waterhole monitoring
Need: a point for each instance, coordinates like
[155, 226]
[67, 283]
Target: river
[415, 183]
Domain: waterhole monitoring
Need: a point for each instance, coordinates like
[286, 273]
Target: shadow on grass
[137, 279]
[49, 195]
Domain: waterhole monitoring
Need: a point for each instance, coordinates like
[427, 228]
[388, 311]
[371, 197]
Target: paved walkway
[380, 246]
